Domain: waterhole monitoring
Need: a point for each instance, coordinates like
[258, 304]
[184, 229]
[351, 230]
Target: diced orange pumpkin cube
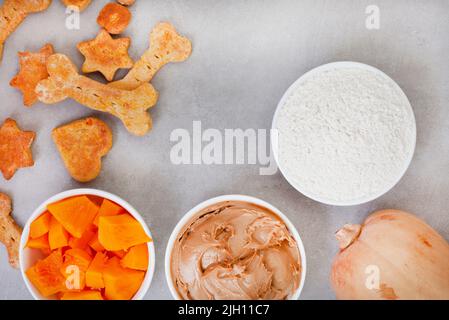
[79, 257]
[40, 243]
[40, 226]
[75, 214]
[120, 232]
[94, 274]
[83, 242]
[95, 244]
[45, 275]
[90, 251]
[119, 254]
[82, 295]
[136, 258]
[58, 237]
[76, 263]
[121, 283]
[108, 208]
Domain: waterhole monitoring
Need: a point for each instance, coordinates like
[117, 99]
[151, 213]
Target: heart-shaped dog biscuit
[82, 144]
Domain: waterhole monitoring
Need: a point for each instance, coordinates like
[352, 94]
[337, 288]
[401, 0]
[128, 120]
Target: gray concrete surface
[246, 54]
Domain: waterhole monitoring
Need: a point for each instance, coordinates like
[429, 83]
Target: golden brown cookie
[81, 4]
[114, 18]
[10, 232]
[129, 106]
[13, 12]
[15, 148]
[126, 2]
[82, 144]
[166, 45]
[105, 55]
[33, 68]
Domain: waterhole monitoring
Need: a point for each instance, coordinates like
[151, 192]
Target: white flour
[345, 135]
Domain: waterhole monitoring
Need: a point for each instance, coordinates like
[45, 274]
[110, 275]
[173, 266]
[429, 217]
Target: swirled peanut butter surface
[235, 250]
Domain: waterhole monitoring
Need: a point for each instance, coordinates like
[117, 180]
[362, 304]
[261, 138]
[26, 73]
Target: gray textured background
[246, 54]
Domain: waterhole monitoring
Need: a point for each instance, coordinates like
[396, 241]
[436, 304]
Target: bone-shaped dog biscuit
[13, 12]
[166, 46]
[129, 106]
[10, 232]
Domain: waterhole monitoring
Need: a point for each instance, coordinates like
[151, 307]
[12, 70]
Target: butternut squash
[108, 208]
[95, 250]
[82, 295]
[75, 214]
[45, 275]
[121, 283]
[120, 232]
[95, 244]
[83, 242]
[119, 254]
[40, 243]
[136, 258]
[57, 235]
[81, 260]
[94, 274]
[40, 226]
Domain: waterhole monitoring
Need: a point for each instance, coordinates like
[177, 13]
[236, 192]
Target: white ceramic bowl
[287, 94]
[29, 256]
[219, 199]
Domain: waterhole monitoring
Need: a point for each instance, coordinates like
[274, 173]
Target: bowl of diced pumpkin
[87, 244]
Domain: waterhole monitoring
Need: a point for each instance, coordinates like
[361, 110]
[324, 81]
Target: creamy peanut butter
[235, 250]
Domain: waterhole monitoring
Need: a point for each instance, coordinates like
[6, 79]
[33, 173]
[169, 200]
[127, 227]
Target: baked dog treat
[82, 144]
[129, 106]
[105, 55]
[15, 148]
[114, 18]
[33, 68]
[166, 45]
[13, 12]
[81, 4]
[10, 232]
[126, 2]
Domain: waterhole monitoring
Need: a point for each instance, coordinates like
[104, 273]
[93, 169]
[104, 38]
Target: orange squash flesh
[94, 274]
[120, 232]
[136, 258]
[110, 258]
[119, 254]
[95, 244]
[40, 226]
[78, 257]
[45, 275]
[81, 260]
[58, 237]
[75, 214]
[121, 283]
[108, 208]
[40, 243]
[82, 295]
[83, 242]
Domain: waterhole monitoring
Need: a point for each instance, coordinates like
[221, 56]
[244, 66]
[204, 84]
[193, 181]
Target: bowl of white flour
[344, 134]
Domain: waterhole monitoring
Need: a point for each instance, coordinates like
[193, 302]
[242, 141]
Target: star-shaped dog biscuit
[33, 68]
[15, 148]
[105, 54]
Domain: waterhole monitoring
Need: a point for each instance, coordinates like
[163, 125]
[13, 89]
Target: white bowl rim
[234, 197]
[94, 192]
[297, 83]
